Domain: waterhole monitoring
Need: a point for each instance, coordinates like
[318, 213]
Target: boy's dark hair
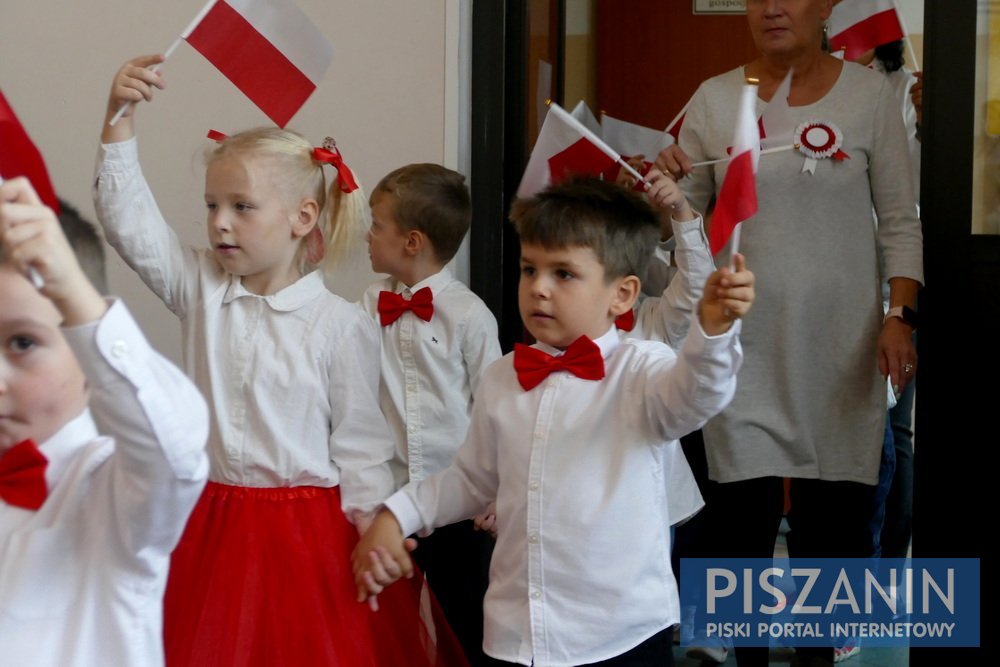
[618, 225]
[86, 244]
[891, 55]
[430, 199]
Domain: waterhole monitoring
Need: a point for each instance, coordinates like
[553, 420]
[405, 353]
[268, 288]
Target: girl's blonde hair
[344, 216]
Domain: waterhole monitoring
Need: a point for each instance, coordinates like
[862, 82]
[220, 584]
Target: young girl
[298, 447]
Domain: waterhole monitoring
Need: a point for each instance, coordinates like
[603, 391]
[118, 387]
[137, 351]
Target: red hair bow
[329, 154]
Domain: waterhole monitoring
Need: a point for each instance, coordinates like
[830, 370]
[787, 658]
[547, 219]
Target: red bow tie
[391, 306]
[626, 321]
[582, 358]
[22, 476]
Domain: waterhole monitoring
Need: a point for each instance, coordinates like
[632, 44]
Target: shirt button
[119, 348]
[536, 595]
[533, 538]
[533, 486]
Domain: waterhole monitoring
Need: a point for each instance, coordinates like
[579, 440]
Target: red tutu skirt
[263, 577]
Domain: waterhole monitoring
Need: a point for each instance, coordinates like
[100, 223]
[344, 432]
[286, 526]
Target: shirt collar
[288, 299]
[59, 449]
[608, 343]
[437, 282]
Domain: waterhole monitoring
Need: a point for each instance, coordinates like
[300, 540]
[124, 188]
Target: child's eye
[243, 206]
[563, 274]
[527, 270]
[210, 206]
[20, 344]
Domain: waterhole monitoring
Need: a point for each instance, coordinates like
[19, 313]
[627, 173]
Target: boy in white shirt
[567, 436]
[87, 522]
[437, 338]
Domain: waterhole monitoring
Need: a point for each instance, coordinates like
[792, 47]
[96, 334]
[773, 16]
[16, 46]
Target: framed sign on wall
[719, 6]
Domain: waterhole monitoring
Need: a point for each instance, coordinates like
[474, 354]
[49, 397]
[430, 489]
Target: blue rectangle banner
[827, 601]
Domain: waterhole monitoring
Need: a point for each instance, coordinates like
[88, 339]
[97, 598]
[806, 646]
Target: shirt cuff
[121, 349]
[118, 157]
[733, 330]
[405, 511]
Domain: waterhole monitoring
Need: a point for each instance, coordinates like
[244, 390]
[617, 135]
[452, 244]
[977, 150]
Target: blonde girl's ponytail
[347, 216]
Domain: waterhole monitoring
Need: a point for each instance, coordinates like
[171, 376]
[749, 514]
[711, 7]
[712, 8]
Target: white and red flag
[631, 139]
[583, 114]
[857, 26]
[564, 148]
[776, 123]
[737, 200]
[20, 157]
[271, 50]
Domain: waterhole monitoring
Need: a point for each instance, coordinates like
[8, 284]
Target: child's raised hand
[381, 556]
[133, 83]
[728, 295]
[665, 195]
[33, 241]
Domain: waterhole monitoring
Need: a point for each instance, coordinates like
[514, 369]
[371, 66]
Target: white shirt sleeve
[135, 228]
[458, 492]
[159, 423]
[360, 443]
[480, 344]
[667, 318]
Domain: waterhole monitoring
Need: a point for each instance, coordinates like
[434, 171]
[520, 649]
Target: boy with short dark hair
[87, 522]
[567, 434]
[86, 243]
[437, 338]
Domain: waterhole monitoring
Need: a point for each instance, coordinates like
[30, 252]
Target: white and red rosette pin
[818, 140]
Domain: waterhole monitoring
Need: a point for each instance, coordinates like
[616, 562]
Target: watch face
[910, 316]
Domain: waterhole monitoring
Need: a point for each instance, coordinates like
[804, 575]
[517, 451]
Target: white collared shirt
[581, 569]
[430, 371]
[292, 377]
[82, 578]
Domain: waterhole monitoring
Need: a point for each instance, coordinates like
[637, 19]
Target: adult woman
[811, 398]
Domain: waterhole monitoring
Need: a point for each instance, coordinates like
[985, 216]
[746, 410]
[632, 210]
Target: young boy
[87, 522]
[437, 338]
[567, 436]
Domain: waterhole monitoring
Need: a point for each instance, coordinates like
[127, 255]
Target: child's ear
[625, 295]
[416, 241]
[305, 218]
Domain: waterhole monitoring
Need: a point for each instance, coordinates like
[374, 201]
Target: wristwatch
[904, 313]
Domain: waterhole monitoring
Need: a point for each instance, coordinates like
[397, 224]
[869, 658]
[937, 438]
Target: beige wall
[388, 98]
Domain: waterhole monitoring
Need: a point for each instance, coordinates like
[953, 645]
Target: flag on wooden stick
[857, 26]
[268, 48]
[737, 200]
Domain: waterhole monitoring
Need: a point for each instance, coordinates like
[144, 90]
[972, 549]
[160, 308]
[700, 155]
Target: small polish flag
[20, 157]
[583, 114]
[858, 26]
[737, 200]
[632, 139]
[564, 148]
[268, 48]
[777, 126]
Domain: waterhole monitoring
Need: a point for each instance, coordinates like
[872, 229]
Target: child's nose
[539, 286]
[218, 220]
